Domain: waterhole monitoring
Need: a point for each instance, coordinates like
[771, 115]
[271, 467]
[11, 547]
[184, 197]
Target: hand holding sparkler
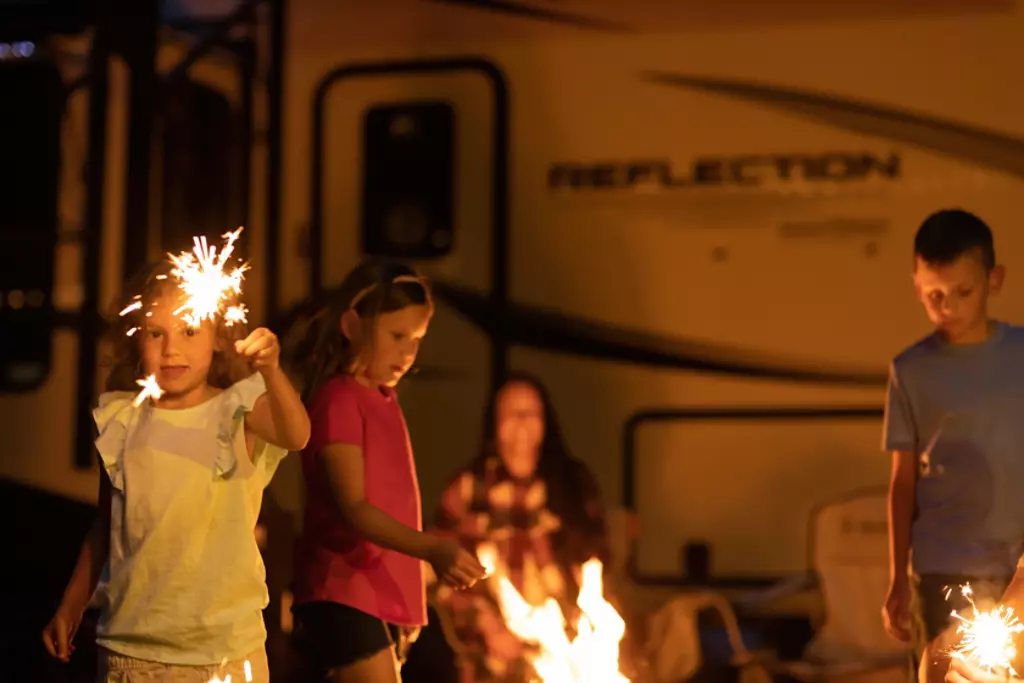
[454, 565]
[262, 348]
[988, 640]
[962, 671]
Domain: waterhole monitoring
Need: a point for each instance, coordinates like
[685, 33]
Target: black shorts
[333, 635]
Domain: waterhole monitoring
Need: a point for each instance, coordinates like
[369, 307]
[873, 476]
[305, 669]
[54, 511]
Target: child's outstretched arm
[278, 417]
[343, 465]
[60, 632]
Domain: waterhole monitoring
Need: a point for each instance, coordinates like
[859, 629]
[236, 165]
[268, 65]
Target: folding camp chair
[849, 551]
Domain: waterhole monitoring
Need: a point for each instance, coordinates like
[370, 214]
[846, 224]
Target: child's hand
[896, 611]
[262, 348]
[407, 636]
[59, 633]
[454, 566]
[963, 672]
[936, 659]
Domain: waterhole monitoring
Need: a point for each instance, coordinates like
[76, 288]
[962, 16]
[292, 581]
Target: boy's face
[955, 294]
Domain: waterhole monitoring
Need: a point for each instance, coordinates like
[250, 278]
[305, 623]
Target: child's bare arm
[344, 468]
[896, 610]
[92, 557]
[343, 465]
[1014, 594]
[900, 438]
[278, 416]
[902, 486]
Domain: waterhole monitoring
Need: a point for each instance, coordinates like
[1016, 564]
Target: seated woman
[538, 506]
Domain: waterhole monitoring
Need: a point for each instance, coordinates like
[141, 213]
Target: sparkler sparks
[987, 640]
[208, 290]
[150, 389]
[206, 285]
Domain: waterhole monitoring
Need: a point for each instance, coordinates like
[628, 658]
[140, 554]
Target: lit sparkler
[135, 305]
[208, 291]
[150, 389]
[207, 287]
[987, 640]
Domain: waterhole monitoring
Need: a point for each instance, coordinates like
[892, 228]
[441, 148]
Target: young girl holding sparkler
[180, 491]
[359, 584]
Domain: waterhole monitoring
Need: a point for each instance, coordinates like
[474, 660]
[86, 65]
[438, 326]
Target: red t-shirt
[332, 562]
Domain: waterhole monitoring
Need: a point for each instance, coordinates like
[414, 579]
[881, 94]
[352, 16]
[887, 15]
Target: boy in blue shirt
[954, 423]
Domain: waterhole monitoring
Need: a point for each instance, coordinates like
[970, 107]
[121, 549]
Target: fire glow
[988, 640]
[227, 679]
[592, 656]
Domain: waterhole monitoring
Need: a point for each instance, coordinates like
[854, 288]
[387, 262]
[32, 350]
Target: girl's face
[395, 344]
[179, 356]
[519, 413]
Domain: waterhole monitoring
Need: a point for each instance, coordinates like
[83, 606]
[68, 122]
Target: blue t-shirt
[961, 409]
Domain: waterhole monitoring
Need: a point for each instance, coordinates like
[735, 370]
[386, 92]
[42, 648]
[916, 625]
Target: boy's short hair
[948, 234]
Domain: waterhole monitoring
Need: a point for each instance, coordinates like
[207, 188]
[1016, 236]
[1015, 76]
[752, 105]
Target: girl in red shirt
[358, 576]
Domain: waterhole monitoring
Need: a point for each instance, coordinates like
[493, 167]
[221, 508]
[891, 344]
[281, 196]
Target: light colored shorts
[115, 668]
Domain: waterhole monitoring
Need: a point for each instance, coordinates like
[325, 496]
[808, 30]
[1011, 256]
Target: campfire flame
[227, 679]
[592, 656]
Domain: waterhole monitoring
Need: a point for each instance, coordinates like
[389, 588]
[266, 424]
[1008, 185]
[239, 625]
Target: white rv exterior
[748, 185]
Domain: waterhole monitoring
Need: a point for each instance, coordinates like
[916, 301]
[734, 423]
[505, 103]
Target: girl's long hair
[125, 360]
[315, 349]
[571, 487]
